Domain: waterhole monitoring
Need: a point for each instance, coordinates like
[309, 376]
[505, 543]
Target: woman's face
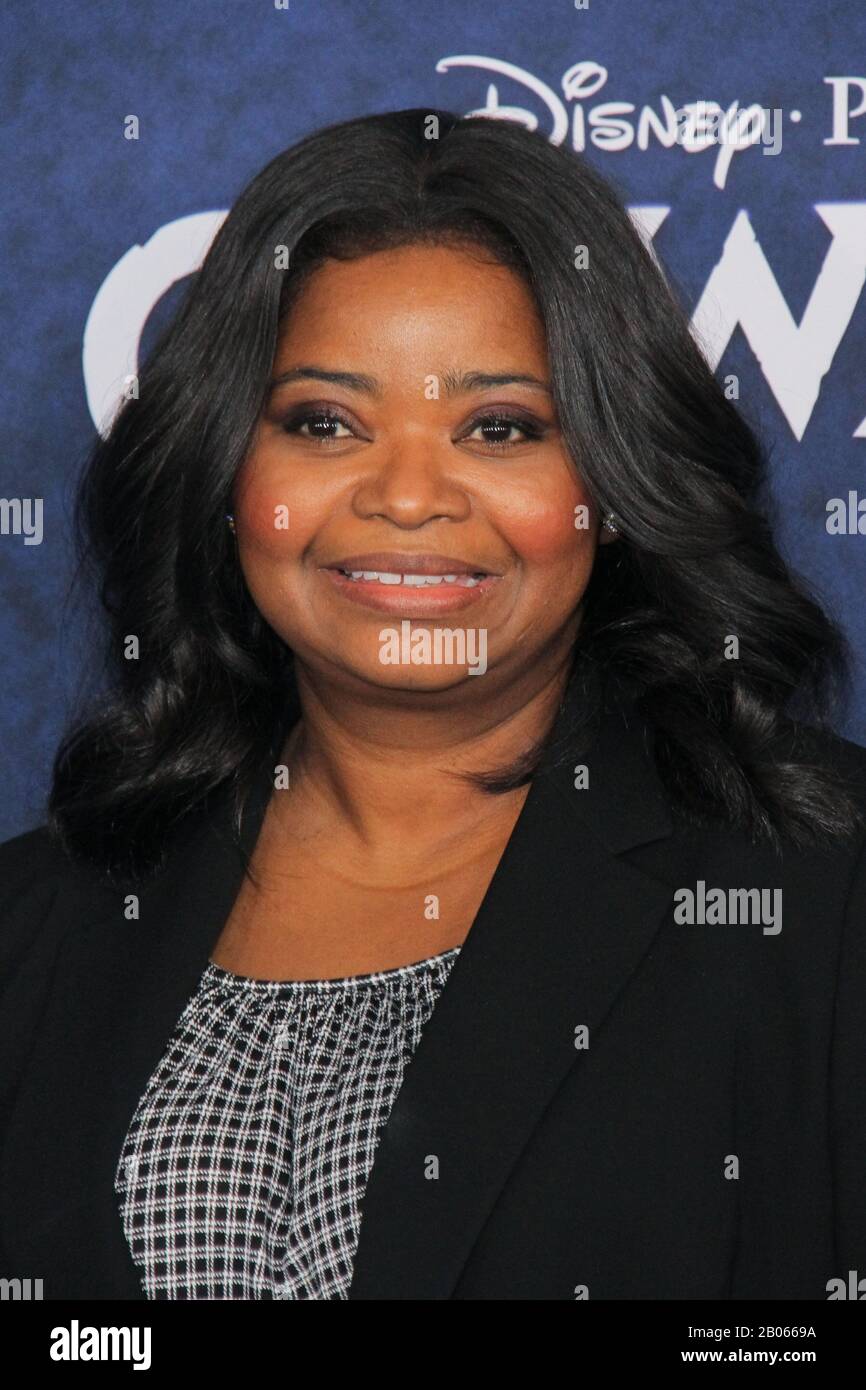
[388, 454]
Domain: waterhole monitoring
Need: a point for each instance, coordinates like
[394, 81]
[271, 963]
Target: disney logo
[695, 126]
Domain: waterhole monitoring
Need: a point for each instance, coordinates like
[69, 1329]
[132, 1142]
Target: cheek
[270, 515]
[540, 526]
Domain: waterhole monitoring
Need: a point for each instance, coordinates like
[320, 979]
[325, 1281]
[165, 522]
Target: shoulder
[32, 860]
[37, 875]
[26, 858]
[31, 865]
[823, 876]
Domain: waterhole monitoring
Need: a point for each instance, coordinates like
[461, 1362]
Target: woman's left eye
[501, 427]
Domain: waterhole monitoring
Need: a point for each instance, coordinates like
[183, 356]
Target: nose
[412, 483]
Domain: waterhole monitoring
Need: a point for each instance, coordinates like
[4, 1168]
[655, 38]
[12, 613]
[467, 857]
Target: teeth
[463, 581]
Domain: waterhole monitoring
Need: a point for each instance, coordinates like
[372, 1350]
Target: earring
[231, 521]
[609, 524]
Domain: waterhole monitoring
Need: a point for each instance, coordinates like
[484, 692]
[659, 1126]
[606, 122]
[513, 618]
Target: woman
[455, 894]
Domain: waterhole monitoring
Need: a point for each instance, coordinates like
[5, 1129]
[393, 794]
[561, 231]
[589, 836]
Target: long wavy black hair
[657, 440]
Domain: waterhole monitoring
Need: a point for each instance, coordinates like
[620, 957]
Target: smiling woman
[465, 658]
[424, 469]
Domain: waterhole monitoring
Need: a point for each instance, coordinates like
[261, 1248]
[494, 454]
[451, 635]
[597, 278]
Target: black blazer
[604, 1170]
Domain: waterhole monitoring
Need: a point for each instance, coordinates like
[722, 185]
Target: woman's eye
[323, 425]
[497, 430]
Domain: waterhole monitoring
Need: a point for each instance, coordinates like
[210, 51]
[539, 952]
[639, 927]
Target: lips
[412, 581]
[409, 564]
[409, 592]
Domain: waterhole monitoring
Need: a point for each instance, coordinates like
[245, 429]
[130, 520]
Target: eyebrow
[455, 383]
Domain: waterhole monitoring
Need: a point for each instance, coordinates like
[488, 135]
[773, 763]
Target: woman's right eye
[322, 424]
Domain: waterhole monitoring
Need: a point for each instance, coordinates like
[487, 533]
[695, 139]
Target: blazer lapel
[563, 926]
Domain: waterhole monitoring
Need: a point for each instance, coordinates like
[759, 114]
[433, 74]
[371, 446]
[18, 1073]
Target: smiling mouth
[410, 580]
[437, 585]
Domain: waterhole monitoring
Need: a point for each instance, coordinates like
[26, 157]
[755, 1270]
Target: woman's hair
[652, 432]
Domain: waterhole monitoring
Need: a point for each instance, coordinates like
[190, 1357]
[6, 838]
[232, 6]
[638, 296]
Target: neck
[379, 761]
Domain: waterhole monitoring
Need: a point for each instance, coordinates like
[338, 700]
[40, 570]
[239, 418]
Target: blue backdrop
[128, 129]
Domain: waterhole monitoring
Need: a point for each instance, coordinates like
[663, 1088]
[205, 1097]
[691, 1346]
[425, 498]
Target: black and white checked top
[243, 1169]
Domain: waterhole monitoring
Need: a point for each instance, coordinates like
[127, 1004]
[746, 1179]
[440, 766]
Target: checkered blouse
[242, 1172]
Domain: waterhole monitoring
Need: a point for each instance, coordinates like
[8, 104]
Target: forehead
[415, 298]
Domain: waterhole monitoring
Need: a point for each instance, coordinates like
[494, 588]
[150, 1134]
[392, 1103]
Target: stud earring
[231, 521]
[609, 524]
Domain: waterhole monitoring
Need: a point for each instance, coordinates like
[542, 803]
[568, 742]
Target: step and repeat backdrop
[735, 133]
